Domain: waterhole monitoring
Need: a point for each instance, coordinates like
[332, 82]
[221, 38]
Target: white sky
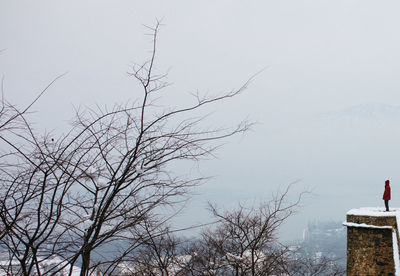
[321, 56]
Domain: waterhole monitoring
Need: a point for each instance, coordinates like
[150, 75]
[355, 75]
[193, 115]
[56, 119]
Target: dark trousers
[387, 205]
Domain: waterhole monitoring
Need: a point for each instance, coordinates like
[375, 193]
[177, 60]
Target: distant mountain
[376, 111]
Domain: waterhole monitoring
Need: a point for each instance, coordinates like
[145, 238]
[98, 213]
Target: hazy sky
[327, 103]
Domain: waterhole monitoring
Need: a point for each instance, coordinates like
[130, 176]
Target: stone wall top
[374, 212]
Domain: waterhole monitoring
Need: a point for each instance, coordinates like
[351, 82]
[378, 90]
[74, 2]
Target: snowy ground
[43, 264]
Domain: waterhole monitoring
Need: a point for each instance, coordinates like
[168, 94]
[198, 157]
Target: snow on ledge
[374, 212]
[363, 225]
[396, 254]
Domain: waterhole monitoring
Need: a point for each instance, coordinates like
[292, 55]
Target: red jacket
[386, 194]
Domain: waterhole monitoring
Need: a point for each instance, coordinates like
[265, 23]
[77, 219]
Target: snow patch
[45, 265]
[396, 248]
[396, 254]
[363, 225]
[374, 212]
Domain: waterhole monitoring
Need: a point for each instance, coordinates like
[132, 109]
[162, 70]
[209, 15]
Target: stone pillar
[370, 242]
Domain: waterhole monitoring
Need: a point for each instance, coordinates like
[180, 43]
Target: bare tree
[159, 253]
[14, 133]
[242, 242]
[298, 265]
[245, 242]
[66, 198]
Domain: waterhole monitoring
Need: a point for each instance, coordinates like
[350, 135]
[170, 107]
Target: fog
[325, 98]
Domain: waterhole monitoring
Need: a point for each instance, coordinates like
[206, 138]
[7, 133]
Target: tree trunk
[253, 265]
[85, 263]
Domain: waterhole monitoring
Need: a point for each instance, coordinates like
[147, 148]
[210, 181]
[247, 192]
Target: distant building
[325, 239]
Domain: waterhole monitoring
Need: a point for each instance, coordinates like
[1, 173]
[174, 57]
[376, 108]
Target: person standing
[386, 195]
